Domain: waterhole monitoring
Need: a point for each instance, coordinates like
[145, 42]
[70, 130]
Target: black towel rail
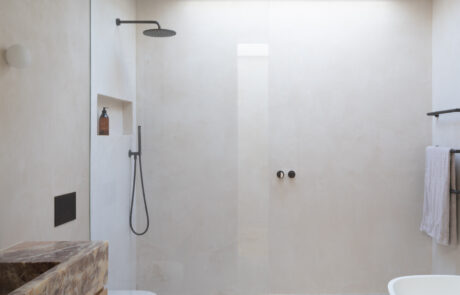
[436, 114]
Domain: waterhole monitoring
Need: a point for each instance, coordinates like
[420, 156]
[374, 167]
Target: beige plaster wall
[113, 84]
[446, 95]
[44, 119]
[349, 83]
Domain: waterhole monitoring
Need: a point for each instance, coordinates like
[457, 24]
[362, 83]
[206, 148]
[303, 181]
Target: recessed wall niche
[120, 113]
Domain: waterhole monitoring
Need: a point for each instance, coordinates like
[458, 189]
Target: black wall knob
[291, 174]
[280, 174]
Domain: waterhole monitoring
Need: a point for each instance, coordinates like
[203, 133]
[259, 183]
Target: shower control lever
[291, 174]
[280, 174]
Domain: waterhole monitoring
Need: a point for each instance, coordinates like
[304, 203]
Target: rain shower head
[158, 32]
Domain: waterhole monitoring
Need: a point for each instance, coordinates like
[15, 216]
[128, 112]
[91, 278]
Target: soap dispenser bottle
[104, 122]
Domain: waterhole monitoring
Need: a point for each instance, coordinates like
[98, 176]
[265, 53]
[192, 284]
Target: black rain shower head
[158, 32]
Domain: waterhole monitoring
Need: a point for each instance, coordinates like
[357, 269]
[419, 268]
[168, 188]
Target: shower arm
[119, 22]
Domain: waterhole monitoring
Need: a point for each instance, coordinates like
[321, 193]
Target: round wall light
[18, 56]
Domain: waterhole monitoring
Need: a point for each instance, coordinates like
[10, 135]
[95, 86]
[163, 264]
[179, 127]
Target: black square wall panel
[65, 208]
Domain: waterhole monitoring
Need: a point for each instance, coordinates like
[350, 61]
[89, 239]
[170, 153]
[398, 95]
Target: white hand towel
[440, 206]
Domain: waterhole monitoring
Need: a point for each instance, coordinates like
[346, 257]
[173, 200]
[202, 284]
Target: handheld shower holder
[135, 154]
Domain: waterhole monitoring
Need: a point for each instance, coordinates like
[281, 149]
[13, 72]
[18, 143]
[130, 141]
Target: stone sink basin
[71, 268]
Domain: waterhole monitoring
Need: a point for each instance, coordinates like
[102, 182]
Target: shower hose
[138, 154]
